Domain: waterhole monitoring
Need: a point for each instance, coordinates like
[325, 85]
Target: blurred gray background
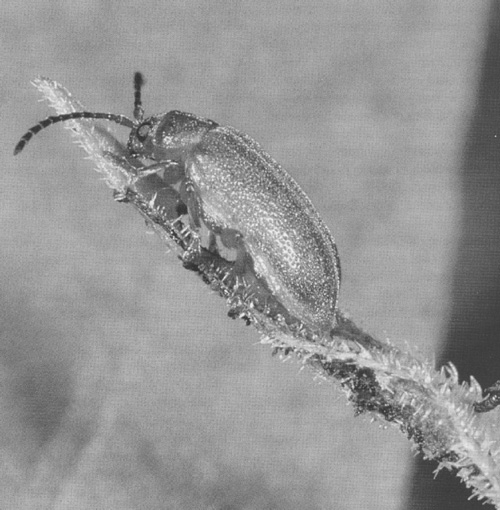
[123, 385]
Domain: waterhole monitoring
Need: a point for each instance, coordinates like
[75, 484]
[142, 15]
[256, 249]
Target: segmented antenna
[138, 109]
[119, 119]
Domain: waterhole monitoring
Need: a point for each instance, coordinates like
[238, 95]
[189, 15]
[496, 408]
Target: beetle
[248, 203]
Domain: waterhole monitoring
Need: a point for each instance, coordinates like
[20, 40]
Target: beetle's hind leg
[233, 240]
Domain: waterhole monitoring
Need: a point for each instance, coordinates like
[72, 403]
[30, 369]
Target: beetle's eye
[143, 132]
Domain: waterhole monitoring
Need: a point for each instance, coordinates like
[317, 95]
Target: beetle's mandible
[248, 203]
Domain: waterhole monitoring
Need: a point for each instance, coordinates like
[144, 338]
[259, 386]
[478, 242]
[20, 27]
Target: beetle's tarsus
[491, 400]
[123, 163]
[192, 254]
[120, 196]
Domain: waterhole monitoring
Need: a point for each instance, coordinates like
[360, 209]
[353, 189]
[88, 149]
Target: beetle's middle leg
[230, 238]
[188, 195]
[165, 196]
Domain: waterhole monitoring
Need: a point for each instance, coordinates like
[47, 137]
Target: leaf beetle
[246, 201]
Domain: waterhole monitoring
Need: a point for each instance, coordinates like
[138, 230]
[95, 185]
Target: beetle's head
[167, 136]
[160, 137]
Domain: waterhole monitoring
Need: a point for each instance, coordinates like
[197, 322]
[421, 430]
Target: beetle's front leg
[173, 170]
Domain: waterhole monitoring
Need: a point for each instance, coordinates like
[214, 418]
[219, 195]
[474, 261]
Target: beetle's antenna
[138, 109]
[119, 119]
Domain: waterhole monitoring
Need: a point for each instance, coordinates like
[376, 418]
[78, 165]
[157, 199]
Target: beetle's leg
[121, 161]
[168, 202]
[232, 239]
[491, 400]
[162, 196]
[212, 242]
[188, 196]
[121, 196]
[173, 170]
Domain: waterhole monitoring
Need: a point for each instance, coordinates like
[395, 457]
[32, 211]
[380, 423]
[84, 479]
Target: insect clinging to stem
[248, 203]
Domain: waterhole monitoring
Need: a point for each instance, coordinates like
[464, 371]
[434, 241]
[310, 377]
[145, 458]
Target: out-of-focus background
[123, 385]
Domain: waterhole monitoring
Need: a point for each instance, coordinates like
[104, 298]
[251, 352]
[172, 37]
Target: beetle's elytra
[248, 203]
